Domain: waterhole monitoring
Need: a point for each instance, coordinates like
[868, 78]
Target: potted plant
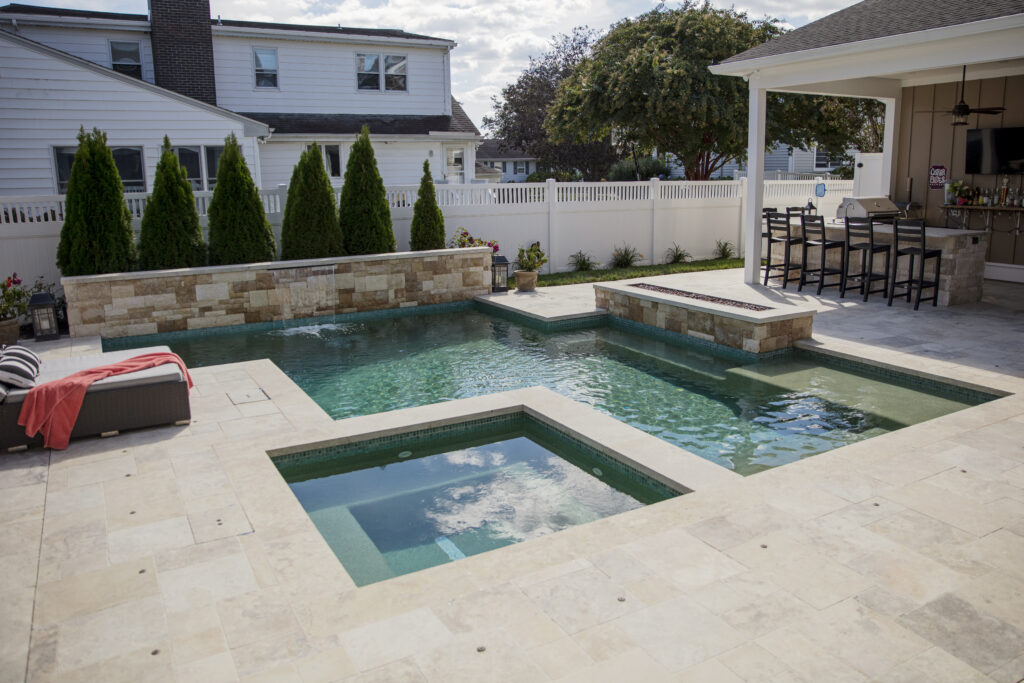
[530, 260]
[13, 304]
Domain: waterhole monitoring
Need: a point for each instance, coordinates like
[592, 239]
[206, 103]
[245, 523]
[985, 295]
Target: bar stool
[910, 233]
[860, 236]
[764, 226]
[814, 236]
[780, 231]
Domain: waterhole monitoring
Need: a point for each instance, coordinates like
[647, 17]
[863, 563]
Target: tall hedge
[427, 230]
[310, 228]
[239, 230]
[171, 236]
[364, 216]
[97, 235]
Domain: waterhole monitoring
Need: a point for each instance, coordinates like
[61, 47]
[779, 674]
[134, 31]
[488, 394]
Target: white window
[190, 159]
[821, 159]
[128, 161]
[124, 58]
[520, 167]
[455, 170]
[332, 159]
[212, 159]
[375, 73]
[265, 66]
[504, 166]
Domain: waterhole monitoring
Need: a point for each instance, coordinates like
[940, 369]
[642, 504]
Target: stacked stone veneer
[150, 302]
[755, 336]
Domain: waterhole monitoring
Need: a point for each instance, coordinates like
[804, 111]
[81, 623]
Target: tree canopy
[310, 226]
[519, 113]
[427, 228]
[647, 82]
[239, 230]
[363, 215]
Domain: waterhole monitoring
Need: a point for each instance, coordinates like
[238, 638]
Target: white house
[514, 164]
[178, 72]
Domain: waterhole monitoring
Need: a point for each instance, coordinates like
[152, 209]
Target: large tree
[647, 81]
[519, 113]
[363, 215]
[171, 236]
[310, 226]
[97, 233]
[239, 230]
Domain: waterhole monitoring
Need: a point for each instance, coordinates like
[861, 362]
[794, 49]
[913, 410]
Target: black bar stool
[908, 239]
[814, 236]
[860, 236]
[764, 227]
[780, 231]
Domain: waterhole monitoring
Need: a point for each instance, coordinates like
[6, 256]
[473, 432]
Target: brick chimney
[183, 47]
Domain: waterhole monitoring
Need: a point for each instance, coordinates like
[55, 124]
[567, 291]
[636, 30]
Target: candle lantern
[499, 274]
[43, 310]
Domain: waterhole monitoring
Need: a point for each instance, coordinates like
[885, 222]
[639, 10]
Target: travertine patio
[180, 554]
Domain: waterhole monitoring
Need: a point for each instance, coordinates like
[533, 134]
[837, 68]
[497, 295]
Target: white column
[889, 139]
[755, 184]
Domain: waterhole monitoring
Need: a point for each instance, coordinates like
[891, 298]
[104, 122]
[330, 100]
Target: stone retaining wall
[150, 302]
[753, 336]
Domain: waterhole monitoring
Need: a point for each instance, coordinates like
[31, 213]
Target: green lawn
[579, 277]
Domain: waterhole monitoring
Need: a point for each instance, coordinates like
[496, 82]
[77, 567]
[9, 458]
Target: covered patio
[910, 58]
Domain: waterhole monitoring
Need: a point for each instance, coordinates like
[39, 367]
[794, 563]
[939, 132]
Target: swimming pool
[391, 506]
[744, 414]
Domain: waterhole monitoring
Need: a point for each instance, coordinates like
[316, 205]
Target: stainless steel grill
[868, 207]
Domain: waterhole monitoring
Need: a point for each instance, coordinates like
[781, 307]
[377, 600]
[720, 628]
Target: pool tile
[204, 583]
[146, 539]
[709, 671]
[935, 665]
[124, 629]
[394, 638]
[559, 658]
[807, 659]
[92, 591]
[751, 662]
[581, 599]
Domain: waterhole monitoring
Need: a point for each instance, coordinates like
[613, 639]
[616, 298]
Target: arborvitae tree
[97, 234]
[239, 230]
[427, 230]
[310, 228]
[364, 215]
[171, 236]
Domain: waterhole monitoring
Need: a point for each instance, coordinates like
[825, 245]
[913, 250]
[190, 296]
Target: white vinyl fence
[564, 217]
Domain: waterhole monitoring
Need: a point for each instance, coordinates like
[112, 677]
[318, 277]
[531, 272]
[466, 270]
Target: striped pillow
[22, 353]
[3, 392]
[17, 372]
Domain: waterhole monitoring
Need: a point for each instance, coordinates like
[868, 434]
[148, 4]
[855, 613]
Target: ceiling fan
[961, 111]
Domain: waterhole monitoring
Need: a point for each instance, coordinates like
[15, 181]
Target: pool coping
[666, 463]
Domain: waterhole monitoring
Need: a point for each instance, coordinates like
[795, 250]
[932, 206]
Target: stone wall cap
[779, 311]
[267, 265]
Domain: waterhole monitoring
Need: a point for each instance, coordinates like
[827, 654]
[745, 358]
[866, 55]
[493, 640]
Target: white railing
[628, 191]
[701, 189]
[31, 209]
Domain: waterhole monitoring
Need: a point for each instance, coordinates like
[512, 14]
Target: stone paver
[896, 559]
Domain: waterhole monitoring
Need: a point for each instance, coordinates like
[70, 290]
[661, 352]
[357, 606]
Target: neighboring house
[515, 164]
[485, 173]
[176, 71]
[782, 160]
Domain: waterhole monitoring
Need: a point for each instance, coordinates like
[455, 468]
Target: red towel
[53, 408]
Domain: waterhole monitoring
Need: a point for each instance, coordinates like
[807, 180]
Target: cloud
[495, 40]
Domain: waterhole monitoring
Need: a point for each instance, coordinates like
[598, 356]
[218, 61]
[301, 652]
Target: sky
[495, 39]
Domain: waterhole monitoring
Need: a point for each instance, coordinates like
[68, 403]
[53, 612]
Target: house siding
[46, 101]
[399, 162]
[91, 44]
[320, 77]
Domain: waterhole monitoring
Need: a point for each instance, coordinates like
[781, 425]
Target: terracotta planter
[9, 330]
[526, 280]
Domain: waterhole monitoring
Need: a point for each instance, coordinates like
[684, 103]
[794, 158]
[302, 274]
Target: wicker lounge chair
[148, 398]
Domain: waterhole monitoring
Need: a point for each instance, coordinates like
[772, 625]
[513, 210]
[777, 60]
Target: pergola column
[889, 140]
[755, 183]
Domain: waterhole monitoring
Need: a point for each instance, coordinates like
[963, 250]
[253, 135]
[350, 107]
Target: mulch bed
[702, 297]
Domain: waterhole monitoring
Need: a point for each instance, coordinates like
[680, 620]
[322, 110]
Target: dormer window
[382, 72]
[265, 65]
[125, 58]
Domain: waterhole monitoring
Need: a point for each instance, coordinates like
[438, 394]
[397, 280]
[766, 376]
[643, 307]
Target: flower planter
[9, 330]
[526, 280]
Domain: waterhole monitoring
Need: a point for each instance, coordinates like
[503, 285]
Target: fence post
[655, 190]
[282, 197]
[740, 247]
[551, 195]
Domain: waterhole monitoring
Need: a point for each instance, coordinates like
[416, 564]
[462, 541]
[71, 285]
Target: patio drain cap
[481, 648]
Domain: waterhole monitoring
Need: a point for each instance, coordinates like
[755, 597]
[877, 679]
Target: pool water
[394, 508]
[742, 414]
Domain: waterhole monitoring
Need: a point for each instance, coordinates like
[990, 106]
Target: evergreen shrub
[171, 236]
[97, 234]
[239, 230]
[310, 228]
[363, 215]
[427, 230]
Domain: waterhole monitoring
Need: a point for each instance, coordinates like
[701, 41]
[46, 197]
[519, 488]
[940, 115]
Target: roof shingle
[380, 124]
[878, 19]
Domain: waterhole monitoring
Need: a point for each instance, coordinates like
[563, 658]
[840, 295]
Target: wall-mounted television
[995, 150]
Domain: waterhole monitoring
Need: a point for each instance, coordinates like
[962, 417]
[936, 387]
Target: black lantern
[43, 310]
[499, 274]
[810, 208]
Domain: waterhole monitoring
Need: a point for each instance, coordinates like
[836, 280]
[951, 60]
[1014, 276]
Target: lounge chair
[147, 398]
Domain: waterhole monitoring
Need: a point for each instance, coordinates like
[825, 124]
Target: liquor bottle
[1003, 190]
